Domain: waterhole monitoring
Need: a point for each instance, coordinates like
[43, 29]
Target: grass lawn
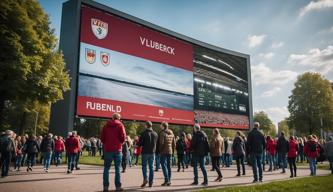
[89, 160]
[311, 184]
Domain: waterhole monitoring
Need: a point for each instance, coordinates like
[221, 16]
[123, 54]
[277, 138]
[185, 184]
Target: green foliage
[311, 104]
[31, 68]
[283, 126]
[266, 124]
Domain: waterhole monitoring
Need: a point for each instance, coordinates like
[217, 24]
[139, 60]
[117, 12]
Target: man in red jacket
[59, 147]
[311, 150]
[72, 148]
[113, 136]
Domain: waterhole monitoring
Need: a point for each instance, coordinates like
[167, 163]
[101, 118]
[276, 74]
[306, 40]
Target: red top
[137, 148]
[72, 145]
[271, 146]
[113, 136]
[293, 148]
[307, 152]
[188, 145]
[59, 145]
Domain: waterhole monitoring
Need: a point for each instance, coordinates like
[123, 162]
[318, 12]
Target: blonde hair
[116, 116]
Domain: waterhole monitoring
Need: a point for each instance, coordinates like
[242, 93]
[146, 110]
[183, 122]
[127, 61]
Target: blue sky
[284, 38]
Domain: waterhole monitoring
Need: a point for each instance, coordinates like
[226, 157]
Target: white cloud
[269, 55]
[316, 5]
[277, 44]
[263, 75]
[317, 60]
[256, 40]
[271, 93]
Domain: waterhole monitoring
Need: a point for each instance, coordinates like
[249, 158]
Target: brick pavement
[89, 178]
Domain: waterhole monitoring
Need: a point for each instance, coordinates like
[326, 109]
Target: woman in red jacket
[271, 152]
[292, 154]
[311, 150]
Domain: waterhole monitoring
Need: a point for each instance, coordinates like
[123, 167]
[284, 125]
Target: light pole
[36, 120]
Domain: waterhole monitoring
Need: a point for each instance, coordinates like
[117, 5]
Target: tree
[31, 68]
[283, 126]
[311, 104]
[266, 124]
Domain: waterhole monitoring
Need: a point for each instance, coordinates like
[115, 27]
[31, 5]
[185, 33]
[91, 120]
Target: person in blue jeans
[200, 149]
[257, 144]
[166, 144]
[47, 147]
[113, 136]
[148, 140]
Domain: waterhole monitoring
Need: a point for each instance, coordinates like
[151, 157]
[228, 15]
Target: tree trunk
[22, 124]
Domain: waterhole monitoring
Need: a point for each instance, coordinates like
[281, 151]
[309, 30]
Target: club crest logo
[161, 112]
[90, 55]
[105, 58]
[99, 28]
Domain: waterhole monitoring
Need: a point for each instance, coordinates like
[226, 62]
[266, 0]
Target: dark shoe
[255, 181]
[150, 184]
[283, 172]
[77, 168]
[169, 183]
[243, 173]
[238, 175]
[105, 189]
[144, 184]
[68, 171]
[164, 184]
[194, 183]
[204, 183]
[119, 189]
[27, 169]
[178, 170]
[260, 180]
[30, 168]
[220, 179]
[291, 176]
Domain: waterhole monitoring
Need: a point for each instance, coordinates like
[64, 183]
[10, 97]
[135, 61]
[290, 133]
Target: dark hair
[149, 124]
[165, 125]
[282, 133]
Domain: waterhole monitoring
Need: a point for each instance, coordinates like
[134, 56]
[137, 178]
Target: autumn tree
[266, 124]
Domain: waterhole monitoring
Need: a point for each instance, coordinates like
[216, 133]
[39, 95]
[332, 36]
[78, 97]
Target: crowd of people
[160, 150]
[210, 117]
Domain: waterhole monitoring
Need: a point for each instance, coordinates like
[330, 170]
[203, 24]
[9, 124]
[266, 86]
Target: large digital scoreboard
[119, 63]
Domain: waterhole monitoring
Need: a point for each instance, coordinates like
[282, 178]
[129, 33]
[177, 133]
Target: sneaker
[68, 171]
[194, 183]
[30, 168]
[46, 170]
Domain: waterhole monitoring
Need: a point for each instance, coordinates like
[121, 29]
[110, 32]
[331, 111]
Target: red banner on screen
[104, 30]
[94, 107]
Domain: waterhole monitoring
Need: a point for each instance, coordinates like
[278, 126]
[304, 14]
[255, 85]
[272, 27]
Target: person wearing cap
[113, 136]
[257, 144]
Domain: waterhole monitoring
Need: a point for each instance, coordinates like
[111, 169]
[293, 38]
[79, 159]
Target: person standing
[19, 153]
[257, 144]
[148, 140]
[167, 144]
[300, 154]
[188, 155]
[125, 150]
[238, 148]
[181, 148]
[311, 150]
[59, 147]
[7, 150]
[329, 152]
[113, 136]
[47, 147]
[72, 149]
[200, 148]
[32, 149]
[93, 142]
[137, 150]
[271, 152]
[292, 154]
[77, 158]
[282, 149]
[216, 149]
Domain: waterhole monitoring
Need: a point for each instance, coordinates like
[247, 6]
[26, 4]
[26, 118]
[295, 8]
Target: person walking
[7, 151]
[113, 136]
[282, 149]
[271, 152]
[72, 149]
[124, 151]
[167, 144]
[200, 149]
[148, 141]
[181, 148]
[216, 149]
[188, 155]
[257, 144]
[329, 152]
[137, 150]
[32, 149]
[19, 153]
[59, 148]
[238, 148]
[311, 150]
[300, 154]
[79, 153]
[47, 147]
[292, 154]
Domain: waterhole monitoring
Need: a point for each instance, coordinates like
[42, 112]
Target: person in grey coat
[329, 152]
[238, 148]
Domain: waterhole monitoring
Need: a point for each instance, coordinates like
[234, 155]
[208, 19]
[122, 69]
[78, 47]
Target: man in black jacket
[200, 148]
[282, 149]
[47, 148]
[7, 149]
[148, 140]
[257, 144]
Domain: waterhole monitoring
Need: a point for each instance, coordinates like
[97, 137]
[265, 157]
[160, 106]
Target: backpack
[312, 147]
[6, 145]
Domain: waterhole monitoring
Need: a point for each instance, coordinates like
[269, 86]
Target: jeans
[148, 159]
[31, 159]
[181, 161]
[157, 161]
[108, 158]
[271, 161]
[313, 166]
[240, 161]
[47, 159]
[257, 165]
[201, 161]
[77, 160]
[166, 167]
[58, 156]
[18, 161]
[71, 161]
[283, 160]
[227, 159]
[5, 162]
[216, 165]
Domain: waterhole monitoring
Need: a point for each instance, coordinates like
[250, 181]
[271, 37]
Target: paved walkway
[89, 178]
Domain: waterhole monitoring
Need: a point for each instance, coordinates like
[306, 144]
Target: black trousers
[5, 162]
[180, 161]
[124, 162]
[239, 162]
[292, 165]
[216, 165]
